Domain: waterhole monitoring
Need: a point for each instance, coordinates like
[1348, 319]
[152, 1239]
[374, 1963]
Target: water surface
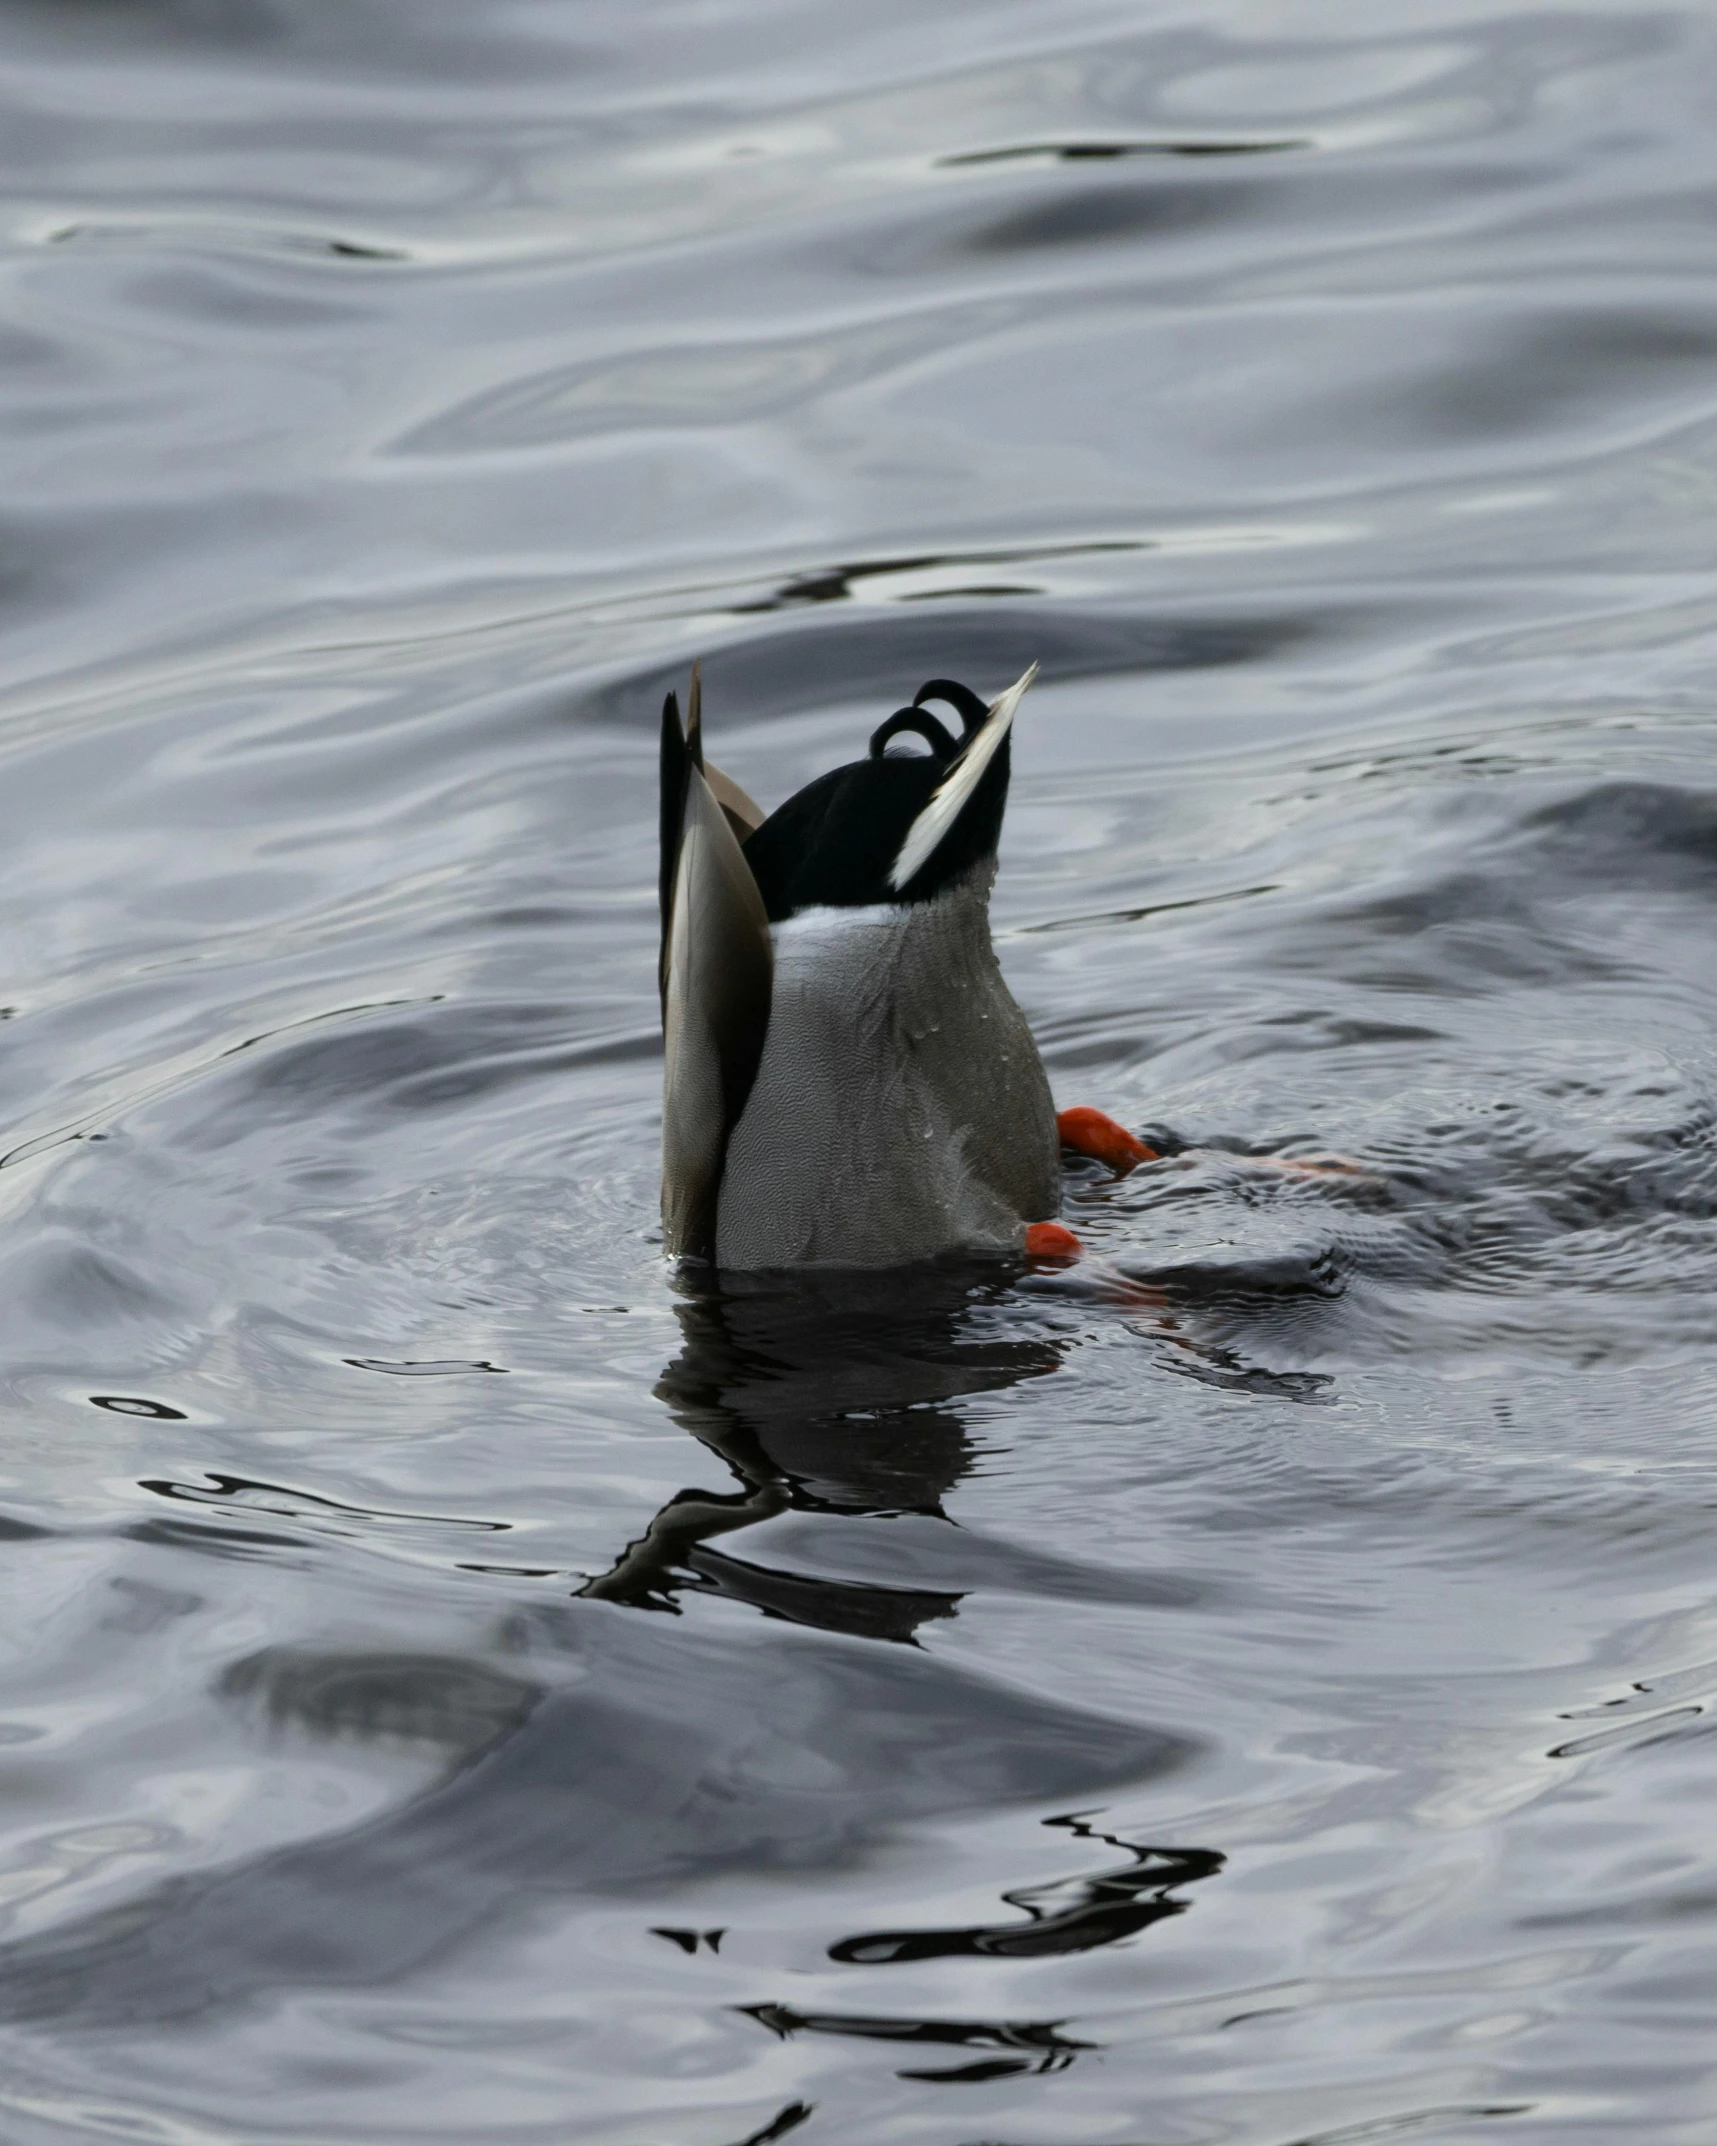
[459, 1685]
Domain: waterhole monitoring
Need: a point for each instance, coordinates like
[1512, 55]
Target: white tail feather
[950, 799]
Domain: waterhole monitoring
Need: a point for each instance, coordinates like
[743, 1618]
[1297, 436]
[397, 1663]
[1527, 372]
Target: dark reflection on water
[1051, 2049]
[826, 1394]
[1073, 1916]
[1107, 152]
[457, 1683]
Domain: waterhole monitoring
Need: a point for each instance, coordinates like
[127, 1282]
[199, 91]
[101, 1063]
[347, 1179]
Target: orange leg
[1309, 1166]
[1094, 1133]
[1086, 1132]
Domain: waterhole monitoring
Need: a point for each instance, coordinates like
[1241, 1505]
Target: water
[459, 1687]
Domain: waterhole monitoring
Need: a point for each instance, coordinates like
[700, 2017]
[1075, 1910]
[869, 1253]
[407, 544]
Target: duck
[848, 1081]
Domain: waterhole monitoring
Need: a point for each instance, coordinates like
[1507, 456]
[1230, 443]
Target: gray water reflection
[454, 1685]
[640, 1757]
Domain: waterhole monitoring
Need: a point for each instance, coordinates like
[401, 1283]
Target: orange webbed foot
[1095, 1133]
[1052, 1241]
[1312, 1166]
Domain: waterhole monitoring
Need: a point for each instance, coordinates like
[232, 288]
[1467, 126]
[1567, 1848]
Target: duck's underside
[900, 1109]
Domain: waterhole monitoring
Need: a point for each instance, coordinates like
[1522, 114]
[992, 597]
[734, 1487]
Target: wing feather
[717, 970]
[744, 814]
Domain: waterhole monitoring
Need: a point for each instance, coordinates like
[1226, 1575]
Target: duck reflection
[829, 1394]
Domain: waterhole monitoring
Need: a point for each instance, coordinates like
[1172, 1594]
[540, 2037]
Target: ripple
[1083, 152]
[1050, 2049]
[201, 236]
[1074, 1915]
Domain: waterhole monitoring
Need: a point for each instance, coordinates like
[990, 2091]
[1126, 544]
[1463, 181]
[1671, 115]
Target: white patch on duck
[900, 1109]
[955, 791]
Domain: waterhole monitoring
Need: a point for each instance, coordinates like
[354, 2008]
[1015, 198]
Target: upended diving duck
[848, 1079]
